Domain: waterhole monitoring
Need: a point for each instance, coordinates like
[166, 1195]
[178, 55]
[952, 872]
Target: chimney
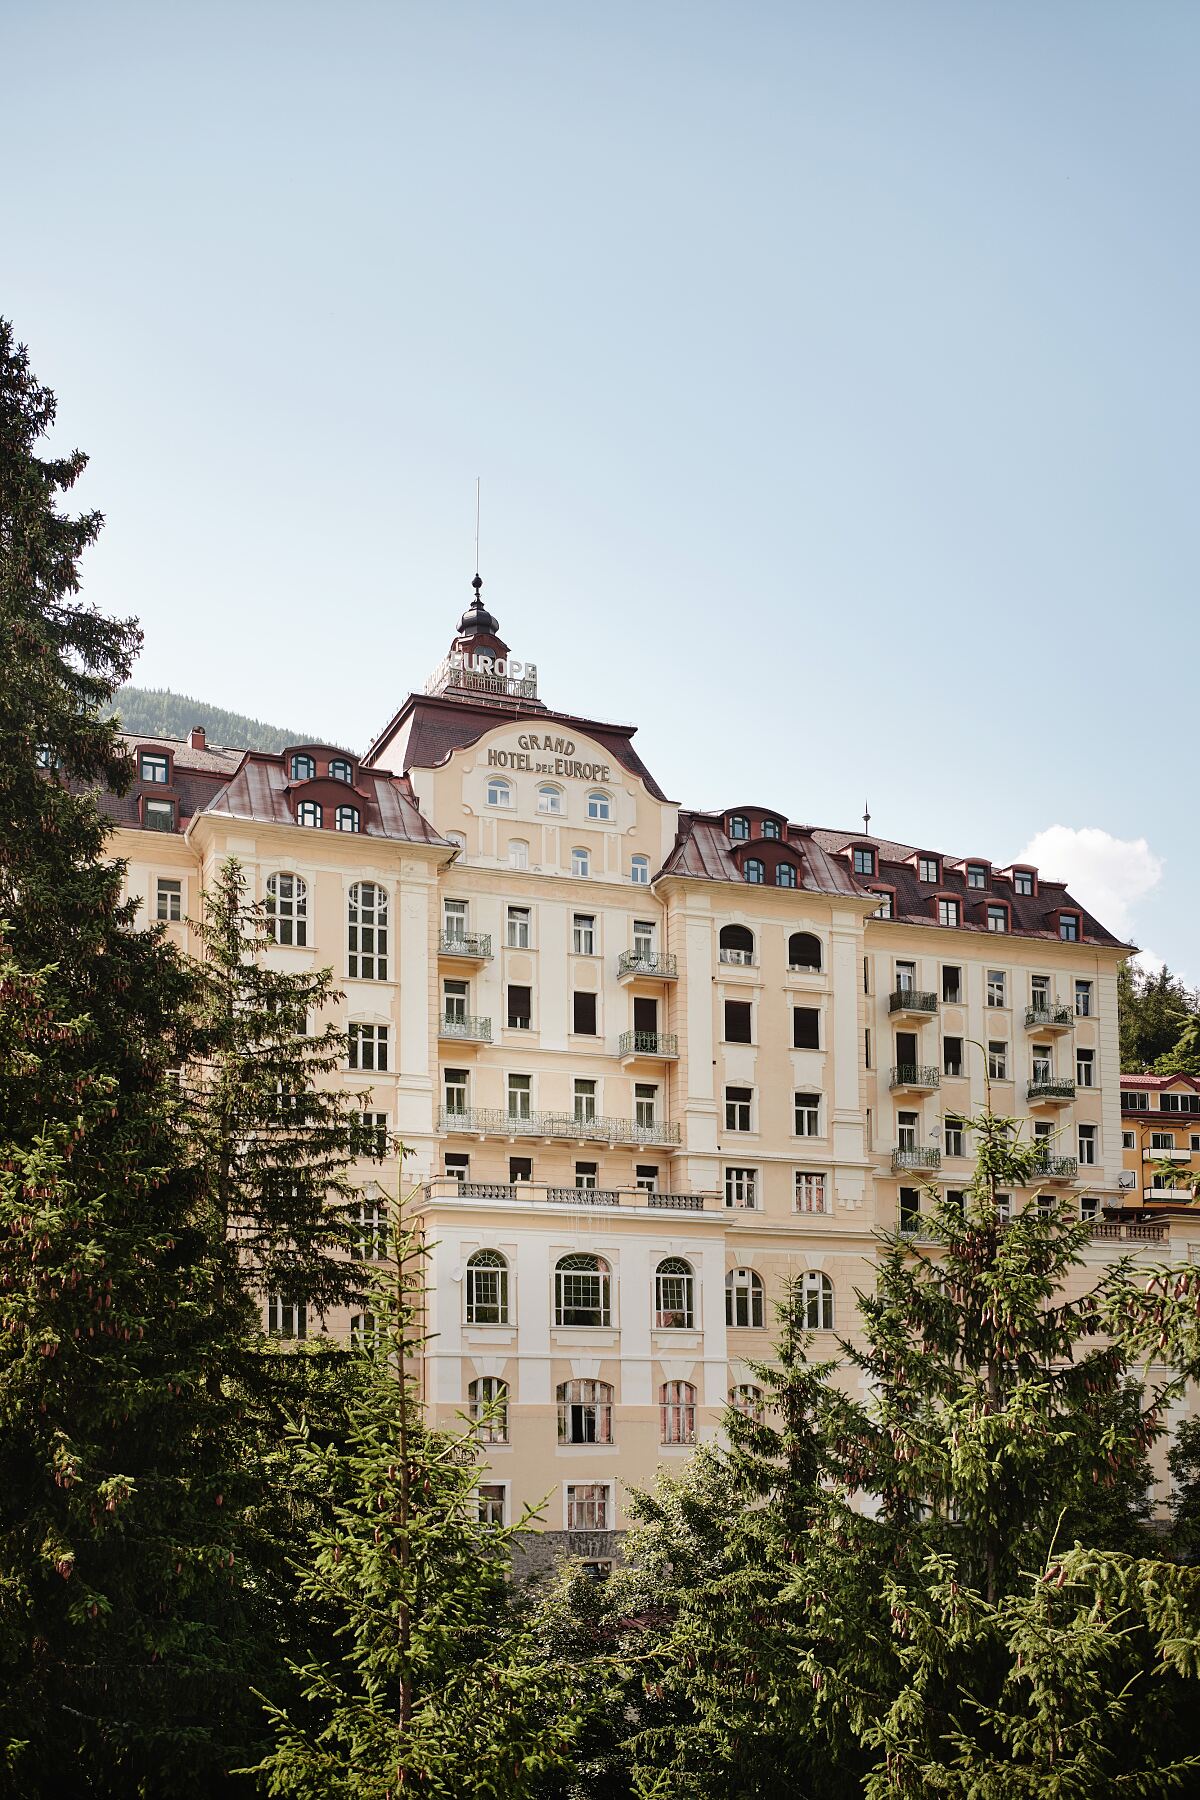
[199, 741]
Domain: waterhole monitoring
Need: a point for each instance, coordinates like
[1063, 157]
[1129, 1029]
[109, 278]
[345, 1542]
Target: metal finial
[477, 584]
[866, 818]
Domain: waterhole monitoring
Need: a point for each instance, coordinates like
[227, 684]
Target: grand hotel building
[648, 1062]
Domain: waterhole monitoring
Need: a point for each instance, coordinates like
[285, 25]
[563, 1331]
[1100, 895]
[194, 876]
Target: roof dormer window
[1024, 882]
[309, 813]
[864, 860]
[927, 869]
[346, 818]
[340, 770]
[770, 828]
[977, 875]
[785, 875]
[739, 827]
[1068, 927]
[753, 871]
[154, 765]
[303, 768]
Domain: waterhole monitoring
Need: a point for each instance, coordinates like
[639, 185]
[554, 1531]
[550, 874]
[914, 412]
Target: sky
[830, 372]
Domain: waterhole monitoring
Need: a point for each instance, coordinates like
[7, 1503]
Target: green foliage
[157, 712]
[435, 1687]
[1159, 1020]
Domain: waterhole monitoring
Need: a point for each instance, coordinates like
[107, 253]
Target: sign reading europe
[540, 753]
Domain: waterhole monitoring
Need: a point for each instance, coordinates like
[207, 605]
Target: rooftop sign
[477, 672]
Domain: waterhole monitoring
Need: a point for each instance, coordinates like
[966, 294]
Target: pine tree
[118, 1635]
[437, 1688]
[1155, 1012]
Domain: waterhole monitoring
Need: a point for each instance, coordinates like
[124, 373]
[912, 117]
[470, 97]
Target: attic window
[864, 861]
[303, 768]
[309, 813]
[154, 767]
[770, 828]
[340, 770]
[977, 875]
[927, 868]
[785, 874]
[1068, 927]
[754, 871]
[159, 815]
[1023, 881]
[739, 827]
[346, 818]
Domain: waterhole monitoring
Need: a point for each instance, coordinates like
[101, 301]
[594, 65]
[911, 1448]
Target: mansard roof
[704, 851]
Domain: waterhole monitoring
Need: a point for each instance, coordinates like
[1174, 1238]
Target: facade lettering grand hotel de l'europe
[648, 1063]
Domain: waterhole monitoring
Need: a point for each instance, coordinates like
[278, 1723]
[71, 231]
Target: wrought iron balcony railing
[466, 1025]
[1054, 1087]
[476, 945]
[489, 1121]
[1059, 1168]
[912, 1000]
[659, 963]
[916, 1157]
[1049, 1018]
[648, 1043]
[915, 1075]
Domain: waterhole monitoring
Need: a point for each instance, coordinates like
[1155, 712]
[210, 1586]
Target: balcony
[1049, 1018]
[915, 1078]
[1129, 1233]
[913, 1158]
[489, 1121]
[465, 1028]
[912, 1003]
[647, 965]
[1183, 1195]
[1152, 1156]
[648, 1046]
[1057, 1168]
[1050, 1090]
[466, 946]
[509, 1193]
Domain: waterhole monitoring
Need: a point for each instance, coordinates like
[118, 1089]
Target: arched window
[804, 951]
[309, 813]
[736, 944]
[599, 806]
[487, 1401]
[499, 792]
[581, 863]
[816, 1300]
[368, 932]
[747, 1399]
[340, 770]
[770, 828]
[287, 909]
[639, 871]
[677, 1412]
[674, 1304]
[785, 874]
[739, 827]
[487, 1288]
[346, 819]
[303, 768]
[753, 871]
[743, 1298]
[549, 799]
[584, 1412]
[582, 1290]
[518, 853]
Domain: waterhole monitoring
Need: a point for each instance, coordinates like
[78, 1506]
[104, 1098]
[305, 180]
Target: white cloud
[1108, 874]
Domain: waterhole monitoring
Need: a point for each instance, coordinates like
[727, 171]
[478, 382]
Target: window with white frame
[952, 988]
[639, 870]
[908, 1126]
[747, 1399]
[997, 918]
[518, 853]
[454, 1091]
[587, 1175]
[674, 1295]
[549, 799]
[585, 1101]
[645, 937]
[1083, 999]
[487, 1288]
[287, 908]
[169, 900]
[487, 1401]
[519, 1092]
[286, 1318]
[927, 869]
[583, 934]
[1023, 881]
[948, 912]
[367, 928]
[864, 862]
[997, 1060]
[581, 863]
[737, 1108]
[370, 1241]
[811, 1192]
[955, 1138]
[741, 1188]
[490, 1501]
[588, 1507]
[997, 987]
[346, 818]
[645, 1104]
[1135, 1100]
[368, 1135]
[816, 1299]
[744, 1305]
[367, 1046]
[340, 770]
[906, 976]
[1087, 1146]
[518, 936]
[599, 806]
[646, 1177]
[677, 1412]
[308, 813]
[1129, 1141]
[884, 909]
[808, 1115]
[499, 792]
[454, 1002]
[1085, 1068]
[454, 920]
[458, 1166]
[1042, 1060]
[582, 1290]
[1162, 1140]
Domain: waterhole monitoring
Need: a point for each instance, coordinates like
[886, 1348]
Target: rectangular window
[810, 1192]
[491, 1502]
[737, 1108]
[806, 1028]
[1039, 992]
[454, 919]
[884, 909]
[808, 1115]
[955, 1138]
[1135, 1100]
[458, 1167]
[906, 977]
[520, 1007]
[867, 1047]
[864, 862]
[454, 1001]
[997, 988]
[1043, 1062]
[585, 1101]
[741, 1188]
[518, 927]
[454, 1087]
[906, 1130]
[927, 868]
[587, 1506]
[951, 984]
[645, 1104]
[158, 815]
[286, 1318]
[1085, 1068]
[153, 767]
[170, 900]
[368, 1134]
[947, 912]
[997, 918]
[1023, 882]
[1162, 1140]
[976, 875]
[644, 937]
[1129, 1141]
[997, 1061]
[583, 1014]
[587, 1175]
[1083, 999]
[520, 1168]
[910, 1208]
[737, 1022]
[1068, 928]
[952, 1056]
[1087, 1145]
[368, 1046]
[519, 1095]
[646, 1177]
[583, 934]
[1195, 1142]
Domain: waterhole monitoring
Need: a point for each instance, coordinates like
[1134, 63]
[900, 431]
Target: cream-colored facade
[685, 1048]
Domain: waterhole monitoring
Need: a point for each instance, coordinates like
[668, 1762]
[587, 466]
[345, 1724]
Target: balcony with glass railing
[913, 1158]
[648, 965]
[488, 1121]
[465, 1028]
[1049, 1016]
[466, 946]
[916, 1078]
[648, 1046]
[912, 1002]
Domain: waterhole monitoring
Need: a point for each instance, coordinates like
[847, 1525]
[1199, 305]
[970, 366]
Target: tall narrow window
[487, 1398]
[454, 1088]
[518, 928]
[741, 1188]
[677, 1412]
[927, 869]
[645, 1105]
[287, 909]
[785, 875]
[581, 863]
[520, 1006]
[811, 1195]
[454, 921]
[864, 862]
[639, 870]
[588, 1506]
[520, 1096]
[997, 918]
[286, 1318]
[754, 871]
[951, 984]
[585, 1101]
[806, 1028]
[737, 1108]
[816, 1294]
[744, 1299]
[738, 1022]
[585, 1412]
[367, 921]
[169, 900]
[948, 912]
[997, 988]
[808, 1115]
[340, 770]
[1068, 927]
[1083, 999]
[367, 1046]
[1087, 1145]
[583, 934]
[583, 1014]
[1085, 1068]
[674, 1300]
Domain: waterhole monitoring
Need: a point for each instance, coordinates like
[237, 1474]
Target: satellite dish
[1126, 1179]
